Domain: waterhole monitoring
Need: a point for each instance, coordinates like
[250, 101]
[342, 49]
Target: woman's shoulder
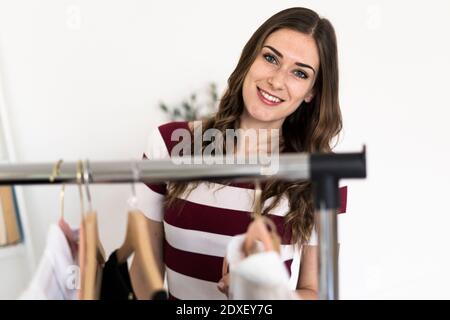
[169, 127]
[160, 142]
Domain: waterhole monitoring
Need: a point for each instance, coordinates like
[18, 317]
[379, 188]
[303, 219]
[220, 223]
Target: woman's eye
[300, 74]
[270, 58]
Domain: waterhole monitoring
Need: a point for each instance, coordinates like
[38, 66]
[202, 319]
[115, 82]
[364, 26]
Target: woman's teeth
[269, 97]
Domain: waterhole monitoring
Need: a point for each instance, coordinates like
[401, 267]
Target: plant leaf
[186, 106]
[163, 107]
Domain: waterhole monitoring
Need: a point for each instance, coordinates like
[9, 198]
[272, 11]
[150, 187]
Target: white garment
[260, 276]
[57, 276]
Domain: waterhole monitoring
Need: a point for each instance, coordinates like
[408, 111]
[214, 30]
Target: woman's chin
[263, 117]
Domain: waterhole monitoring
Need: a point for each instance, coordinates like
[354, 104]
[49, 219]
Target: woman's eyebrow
[278, 53]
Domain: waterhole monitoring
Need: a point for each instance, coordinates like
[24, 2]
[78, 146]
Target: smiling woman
[286, 80]
[278, 79]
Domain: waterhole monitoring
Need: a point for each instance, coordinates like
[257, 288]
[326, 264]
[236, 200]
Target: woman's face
[280, 79]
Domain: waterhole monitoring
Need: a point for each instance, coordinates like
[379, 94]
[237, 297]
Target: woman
[286, 80]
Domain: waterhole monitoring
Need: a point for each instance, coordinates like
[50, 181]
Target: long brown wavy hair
[311, 128]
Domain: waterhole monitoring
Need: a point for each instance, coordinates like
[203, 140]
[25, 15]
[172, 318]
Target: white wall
[82, 79]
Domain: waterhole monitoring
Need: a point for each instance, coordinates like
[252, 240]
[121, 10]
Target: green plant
[192, 108]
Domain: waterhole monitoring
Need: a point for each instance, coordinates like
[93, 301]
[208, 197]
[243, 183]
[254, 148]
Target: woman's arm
[137, 275]
[308, 278]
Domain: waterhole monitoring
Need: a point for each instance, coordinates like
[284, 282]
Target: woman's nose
[277, 80]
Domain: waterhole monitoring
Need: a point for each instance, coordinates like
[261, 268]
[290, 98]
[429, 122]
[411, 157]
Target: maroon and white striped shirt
[197, 236]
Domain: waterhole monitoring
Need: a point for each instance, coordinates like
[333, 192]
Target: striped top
[196, 236]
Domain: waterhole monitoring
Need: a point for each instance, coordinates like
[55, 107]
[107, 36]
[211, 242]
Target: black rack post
[326, 170]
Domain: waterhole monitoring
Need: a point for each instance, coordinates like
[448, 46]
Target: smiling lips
[267, 98]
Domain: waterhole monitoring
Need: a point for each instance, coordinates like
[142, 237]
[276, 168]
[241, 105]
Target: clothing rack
[324, 170]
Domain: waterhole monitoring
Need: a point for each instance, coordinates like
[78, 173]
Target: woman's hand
[223, 284]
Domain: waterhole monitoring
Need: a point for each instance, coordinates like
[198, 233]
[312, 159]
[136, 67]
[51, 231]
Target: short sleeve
[343, 195]
[150, 197]
[156, 147]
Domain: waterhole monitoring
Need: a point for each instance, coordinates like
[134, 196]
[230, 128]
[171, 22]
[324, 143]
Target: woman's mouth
[267, 98]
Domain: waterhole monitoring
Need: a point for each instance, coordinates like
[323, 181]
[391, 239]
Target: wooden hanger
[138, 241]
[92, 254]
[72, 238]
[95, 258]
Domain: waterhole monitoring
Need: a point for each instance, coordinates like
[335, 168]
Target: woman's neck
[246, 122]
[269, 136]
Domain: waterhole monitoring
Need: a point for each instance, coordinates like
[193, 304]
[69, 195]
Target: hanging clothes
[56, 277]
[72, 237]
[116, 282]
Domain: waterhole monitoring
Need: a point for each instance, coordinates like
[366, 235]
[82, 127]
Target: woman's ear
[309, 96]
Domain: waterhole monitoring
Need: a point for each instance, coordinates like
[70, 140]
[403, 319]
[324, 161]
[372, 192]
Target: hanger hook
[61, 195]
[136, 176]
[55, 173]
[80, 182]
[87, 176]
